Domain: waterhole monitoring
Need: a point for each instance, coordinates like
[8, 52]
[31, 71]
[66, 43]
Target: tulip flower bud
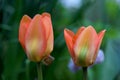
[36, 36]
[84, 45]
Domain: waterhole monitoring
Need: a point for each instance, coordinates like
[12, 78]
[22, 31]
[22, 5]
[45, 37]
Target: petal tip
[25, 18]
[46, 14]
[36, 16]
[90, 26]
[104, 30]
[65, 29]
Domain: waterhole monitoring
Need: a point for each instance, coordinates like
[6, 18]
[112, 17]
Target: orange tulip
[36, 36]
[84, 45]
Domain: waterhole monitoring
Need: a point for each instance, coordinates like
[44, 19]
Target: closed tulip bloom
[84, 45]
[36, 36]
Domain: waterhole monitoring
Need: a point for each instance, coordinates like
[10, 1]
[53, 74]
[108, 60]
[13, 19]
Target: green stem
[27, 69]
[39, 70]
[84, 73]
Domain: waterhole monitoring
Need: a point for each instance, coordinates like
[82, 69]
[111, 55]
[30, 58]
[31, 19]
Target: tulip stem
[39, 70]
[84, 73]
[27, 69]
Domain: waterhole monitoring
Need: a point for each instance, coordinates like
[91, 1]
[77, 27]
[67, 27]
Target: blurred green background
[71, 14]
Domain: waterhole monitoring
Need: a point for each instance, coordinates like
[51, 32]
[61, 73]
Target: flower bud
[84, 45]
[36, 36]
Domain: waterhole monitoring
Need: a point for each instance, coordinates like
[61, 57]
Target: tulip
[36, 36]
[84, 45]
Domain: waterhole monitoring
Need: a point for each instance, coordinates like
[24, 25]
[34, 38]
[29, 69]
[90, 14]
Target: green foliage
[102, 14]
[111, 64]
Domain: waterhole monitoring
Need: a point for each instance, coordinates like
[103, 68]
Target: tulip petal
[35, 41]
[47, 23]
[46, 19]
[24, 24]
[84, 46]
[69, 41]
[100, 37]
[78, 33]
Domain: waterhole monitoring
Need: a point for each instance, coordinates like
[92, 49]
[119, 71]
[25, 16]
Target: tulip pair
[84, 45]
[36, 36]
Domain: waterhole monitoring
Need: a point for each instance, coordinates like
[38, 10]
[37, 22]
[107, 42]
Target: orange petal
[35, 41]
[100, 37]
[78, 33]
[47, 23]
[46, 19]
[84, 46]
[24, 24]
[69, 41]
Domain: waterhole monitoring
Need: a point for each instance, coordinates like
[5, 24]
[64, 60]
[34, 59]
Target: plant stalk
[39, 70]
[85, 73]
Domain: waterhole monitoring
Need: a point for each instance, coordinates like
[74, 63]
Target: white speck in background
[71, 3]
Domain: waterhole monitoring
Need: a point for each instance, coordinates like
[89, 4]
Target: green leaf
[111, 66]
